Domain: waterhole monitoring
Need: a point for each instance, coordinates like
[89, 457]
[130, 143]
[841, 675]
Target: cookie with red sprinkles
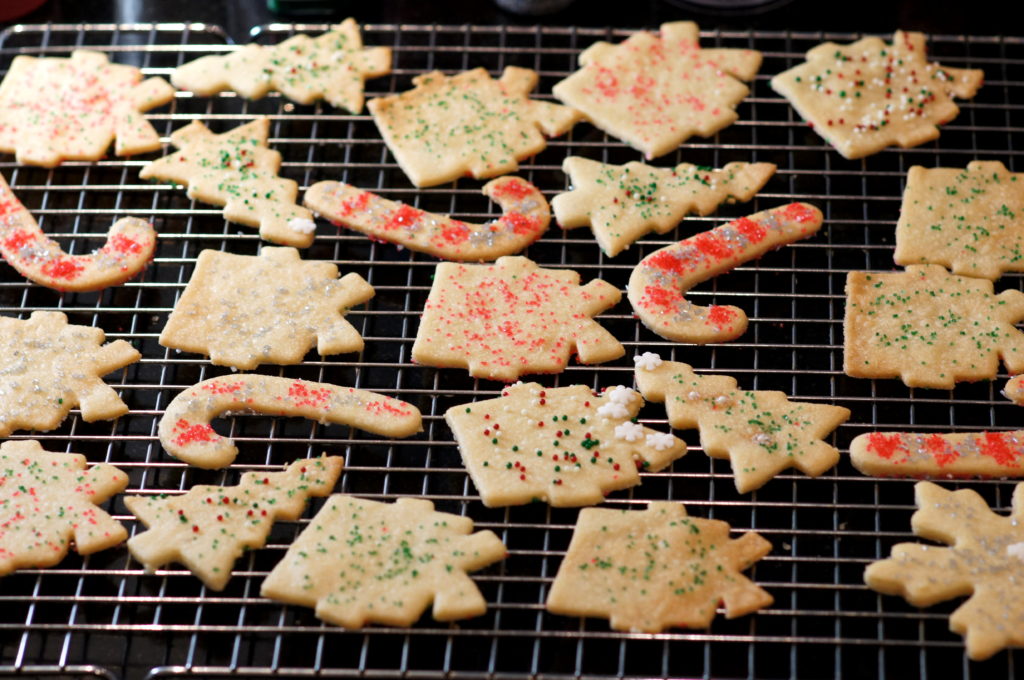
[655, 90]
[511, 318]
[870, 94]
[932, 454]
[54, 109]
[49, 505]
[648, 570]
[209, 527]
[360, 561]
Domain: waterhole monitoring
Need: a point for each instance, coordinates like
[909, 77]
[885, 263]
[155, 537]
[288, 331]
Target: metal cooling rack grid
[100, 615]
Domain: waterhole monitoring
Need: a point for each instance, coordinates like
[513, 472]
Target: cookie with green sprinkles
[984, 560]
[567, 446]
[971, 221]
[760, 432]
[621, 203]
[447, 127]
[332, 66]
[360, 561]
[870, 94]
[237, 170]
[930, 328]
[653, 569]
[48, 505]
[209, 527]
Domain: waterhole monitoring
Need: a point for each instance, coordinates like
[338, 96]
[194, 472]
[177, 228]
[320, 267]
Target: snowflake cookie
[468, 124]
[621, 203]
[360, 561]
[210, 527]
[760, 432]
[653, 91]
[957, 454]
[48, 500]
[985, 560]
[653, 569]
[504, 320]
[566, 446]
[864, 96]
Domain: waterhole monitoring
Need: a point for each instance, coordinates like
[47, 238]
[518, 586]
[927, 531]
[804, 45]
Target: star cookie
[504, 320]
[868, 95]
[236, 170]
[48, 500]
[48, 367]
[359, 561]
[957, 454]
[244, 311]
[652, 569]
[54, 109]
[653, 91]
[621, 203]
[565, 446]
[761, 432]
[985, 561]
[450, 126]
[970, 221]
[331, 66]
[929, 327]
[210, 527]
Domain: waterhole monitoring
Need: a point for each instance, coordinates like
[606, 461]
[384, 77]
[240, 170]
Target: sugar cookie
[957, 454]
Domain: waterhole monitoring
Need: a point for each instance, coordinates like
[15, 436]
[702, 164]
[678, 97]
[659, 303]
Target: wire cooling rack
[101, 616]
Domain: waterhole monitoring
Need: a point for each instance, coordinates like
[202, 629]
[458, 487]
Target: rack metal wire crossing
[102, 616]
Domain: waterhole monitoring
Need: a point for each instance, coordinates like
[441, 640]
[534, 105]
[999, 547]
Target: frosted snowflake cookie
[958, 454]
[653, 91]
[360, 561]
[867, 95]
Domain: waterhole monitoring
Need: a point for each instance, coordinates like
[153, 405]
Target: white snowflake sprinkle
[647, 361]
[660, 441]
[629, 431]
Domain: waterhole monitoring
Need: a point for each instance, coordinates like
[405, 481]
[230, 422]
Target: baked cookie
[985, 560]
[48, 506]
[761, 432]
[658, 284]
[526, 217]
[359, 561]
[868, 95]
[511, 318]
[566, 446]
[970, 221]
[929, 327]
[243, 311]
[236, 170]
[1014, 390]
[654, 91]
[54, 109]
[186, 434]
[209, 527]
[129, 248]
[467, 124]
[331, 66]
[621, 203]
[48, 367]
[958, 454]
[657, 568]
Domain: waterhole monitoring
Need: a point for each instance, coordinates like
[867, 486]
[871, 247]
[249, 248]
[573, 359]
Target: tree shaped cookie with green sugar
[54, 109]
[654, 90]
[621, 203]
[467, 124]
[331, 66]
[653, 569]
[929, 327]
[984, 560]
[48, 367]
[48, 505]
[236, 170]
[243, 311]
[566, 446]
[360, 561]
[210, 527]
[761, 432]
[970, 221]
[867, 95]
